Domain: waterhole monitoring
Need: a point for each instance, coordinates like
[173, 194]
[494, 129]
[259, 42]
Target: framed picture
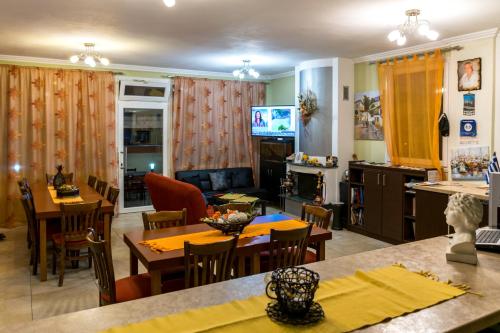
[469, 104]
[469, 163]
[368, 116]
[468, 127]
[469, 74]
[298, 157]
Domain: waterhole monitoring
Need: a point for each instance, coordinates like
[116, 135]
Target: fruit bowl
[67, 191]
[230, 222]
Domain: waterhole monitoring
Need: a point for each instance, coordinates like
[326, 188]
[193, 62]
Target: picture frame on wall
[469, 74]
[469, 104]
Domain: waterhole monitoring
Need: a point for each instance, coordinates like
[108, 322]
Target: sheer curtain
[54, 116]
[411, 97]
[211, 123]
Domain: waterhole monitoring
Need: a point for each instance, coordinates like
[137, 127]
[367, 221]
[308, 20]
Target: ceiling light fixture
[412, 25]
[90, 57]
[169, 3]
[246, 70]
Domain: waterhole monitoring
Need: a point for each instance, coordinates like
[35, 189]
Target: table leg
[255, 269]
[134, 270]
[241, 266]
[320, 251]
[107, 229]
[43, 249]
[155, 282]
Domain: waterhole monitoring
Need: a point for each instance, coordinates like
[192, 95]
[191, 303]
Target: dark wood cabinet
[392, 205]
[373, 201]
[273, 154]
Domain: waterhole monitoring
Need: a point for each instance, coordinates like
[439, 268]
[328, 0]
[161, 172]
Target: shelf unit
[356, 198]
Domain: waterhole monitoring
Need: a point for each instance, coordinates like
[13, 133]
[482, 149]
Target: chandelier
[412, 25]
[246, 70]
[169, 3]
[90, 57]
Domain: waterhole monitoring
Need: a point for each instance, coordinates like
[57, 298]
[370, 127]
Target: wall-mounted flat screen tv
[273, 121]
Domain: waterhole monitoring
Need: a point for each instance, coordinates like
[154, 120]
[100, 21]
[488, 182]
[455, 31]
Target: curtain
[211, 123]
[411, 97]
[54, 116]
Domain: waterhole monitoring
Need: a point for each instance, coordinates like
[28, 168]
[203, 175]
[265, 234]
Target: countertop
[463, 314]
[478, 189]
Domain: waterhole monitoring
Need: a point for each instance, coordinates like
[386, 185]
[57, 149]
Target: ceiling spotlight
[89, 57]
[169, 3]
[242, 72]
[412, 25]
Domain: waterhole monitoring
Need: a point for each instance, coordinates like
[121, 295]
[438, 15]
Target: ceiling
[215, 35]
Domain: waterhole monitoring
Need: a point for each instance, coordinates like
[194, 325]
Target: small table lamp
[152, 167]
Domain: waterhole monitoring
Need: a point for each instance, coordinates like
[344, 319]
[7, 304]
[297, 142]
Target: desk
[474, 188]
[155, 262]
[468, 313]
[46, 209]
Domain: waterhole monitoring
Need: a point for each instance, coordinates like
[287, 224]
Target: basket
[229, 227]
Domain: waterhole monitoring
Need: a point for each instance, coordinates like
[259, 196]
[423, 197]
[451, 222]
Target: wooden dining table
[47, 210]
[156, 262]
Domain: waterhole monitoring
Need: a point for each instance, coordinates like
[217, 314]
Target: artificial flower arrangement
[308, 104]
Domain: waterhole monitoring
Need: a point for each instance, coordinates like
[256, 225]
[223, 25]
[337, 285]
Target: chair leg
[62, 258]
[90, 258]
[35, 261]
[54, 261]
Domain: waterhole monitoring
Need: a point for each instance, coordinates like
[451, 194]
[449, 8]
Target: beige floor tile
[15, 310]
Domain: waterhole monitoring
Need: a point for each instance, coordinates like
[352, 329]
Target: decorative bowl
[229, 225]
[67, 191]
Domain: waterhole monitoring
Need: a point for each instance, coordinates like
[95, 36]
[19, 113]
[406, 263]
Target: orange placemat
[56, 200]
[253, 230]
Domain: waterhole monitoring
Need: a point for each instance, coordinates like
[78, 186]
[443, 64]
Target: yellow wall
[281, 91]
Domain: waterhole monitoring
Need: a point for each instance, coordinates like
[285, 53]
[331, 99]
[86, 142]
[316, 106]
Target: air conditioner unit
[144, 90]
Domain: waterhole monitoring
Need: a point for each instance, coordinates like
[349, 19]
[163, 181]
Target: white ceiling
[215, 35]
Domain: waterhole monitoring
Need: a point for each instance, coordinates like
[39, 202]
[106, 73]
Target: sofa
[235, 180]
[170, 194]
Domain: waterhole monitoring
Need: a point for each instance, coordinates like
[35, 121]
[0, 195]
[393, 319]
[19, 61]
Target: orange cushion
[130, 288]
[310, 257]
[58, 240]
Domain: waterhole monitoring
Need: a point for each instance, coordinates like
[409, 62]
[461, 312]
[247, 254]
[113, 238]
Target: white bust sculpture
[464, 213]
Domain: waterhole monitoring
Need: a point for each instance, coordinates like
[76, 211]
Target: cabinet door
[392, 205]
[430, 218]
[373, 201]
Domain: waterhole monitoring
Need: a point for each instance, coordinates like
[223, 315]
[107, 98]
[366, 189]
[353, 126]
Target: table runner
[253, 230]
[56, 200]
[349, 303]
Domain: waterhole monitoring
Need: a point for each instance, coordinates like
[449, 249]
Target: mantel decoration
[308, 104]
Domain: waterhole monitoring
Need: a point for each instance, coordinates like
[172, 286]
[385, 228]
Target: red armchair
[170, 194]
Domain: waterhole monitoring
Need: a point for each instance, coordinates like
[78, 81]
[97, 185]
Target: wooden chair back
[92, 180]
[164, 219]
[77, 218]
[68, 178]
[103, 265]
[288, 247]
[113, 194]
[317, 215]
[239, 206]
[101, 187]
[208, 263]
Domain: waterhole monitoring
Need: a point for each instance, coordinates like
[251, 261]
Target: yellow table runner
[253, 230]
[231, 196]
[362, 299]
[56, 200]
[246, 199]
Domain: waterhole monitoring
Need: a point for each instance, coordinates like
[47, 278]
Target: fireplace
[306, 185]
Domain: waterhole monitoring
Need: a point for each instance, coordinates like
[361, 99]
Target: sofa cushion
[205, 185]
[193, 180]
[241, 178]
[219, 181]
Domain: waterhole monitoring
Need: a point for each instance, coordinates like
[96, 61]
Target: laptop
[489, 238]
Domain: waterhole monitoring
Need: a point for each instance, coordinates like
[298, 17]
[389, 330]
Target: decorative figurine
[464, 213]
[318, 199]
[58, 178]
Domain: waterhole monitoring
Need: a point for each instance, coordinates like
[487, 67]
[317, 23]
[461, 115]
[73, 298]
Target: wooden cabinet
[273, 154]
[392, 205]
[373, 201]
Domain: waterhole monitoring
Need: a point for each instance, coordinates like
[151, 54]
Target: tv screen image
[273, 121]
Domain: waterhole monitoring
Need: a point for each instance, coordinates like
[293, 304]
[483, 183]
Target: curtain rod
[444, 49]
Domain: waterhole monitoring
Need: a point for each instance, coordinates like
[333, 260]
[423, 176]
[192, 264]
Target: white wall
[496, 116]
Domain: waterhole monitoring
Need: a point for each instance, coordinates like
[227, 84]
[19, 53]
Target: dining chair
[319, 217]
[101, 187]
[208, 263]
[29, 211]
[24, 188]
[92, 180]
[75, 221]
[287, 248]
[112, 197]
[164, 219]
[68, 178]
[239, 206]
[111, 291]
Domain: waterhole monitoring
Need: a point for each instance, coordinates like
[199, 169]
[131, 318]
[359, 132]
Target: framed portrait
[469, 74]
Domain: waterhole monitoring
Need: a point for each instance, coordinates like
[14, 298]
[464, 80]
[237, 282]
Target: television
[273, 121]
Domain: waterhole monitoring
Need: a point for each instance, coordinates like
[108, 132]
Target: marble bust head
[464, 213]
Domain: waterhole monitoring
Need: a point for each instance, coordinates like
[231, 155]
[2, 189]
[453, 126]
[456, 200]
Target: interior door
[373, 201]
[142, 141]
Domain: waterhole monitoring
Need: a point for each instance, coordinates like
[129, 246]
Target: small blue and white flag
[492, 167]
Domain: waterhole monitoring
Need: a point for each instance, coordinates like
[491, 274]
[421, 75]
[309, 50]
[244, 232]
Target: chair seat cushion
[58, 240]
[131, 288]
[310, 257]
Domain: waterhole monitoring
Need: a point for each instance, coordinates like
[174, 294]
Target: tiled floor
[23, 297]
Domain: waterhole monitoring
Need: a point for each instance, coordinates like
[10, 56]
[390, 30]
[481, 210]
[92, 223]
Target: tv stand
[273, 154]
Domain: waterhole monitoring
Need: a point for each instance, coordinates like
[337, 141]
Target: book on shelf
[357, 216]
[357, 196]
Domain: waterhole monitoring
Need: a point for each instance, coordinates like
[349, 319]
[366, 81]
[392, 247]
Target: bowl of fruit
[67, 191]
[230, 222]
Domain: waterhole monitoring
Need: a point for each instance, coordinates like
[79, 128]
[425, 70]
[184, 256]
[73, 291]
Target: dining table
[155, 262]
[47, 211]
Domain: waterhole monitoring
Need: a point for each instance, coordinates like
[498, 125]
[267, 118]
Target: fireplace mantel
[330, 178]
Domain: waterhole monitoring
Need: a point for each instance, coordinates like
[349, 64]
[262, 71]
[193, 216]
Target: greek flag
[492, 167]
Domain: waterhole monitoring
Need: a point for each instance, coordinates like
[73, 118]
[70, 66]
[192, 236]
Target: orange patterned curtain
[55, 116]
[411, 94]
[212, 123]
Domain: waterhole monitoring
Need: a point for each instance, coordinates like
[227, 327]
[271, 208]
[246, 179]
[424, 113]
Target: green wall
[281, 91]
[365, 79]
